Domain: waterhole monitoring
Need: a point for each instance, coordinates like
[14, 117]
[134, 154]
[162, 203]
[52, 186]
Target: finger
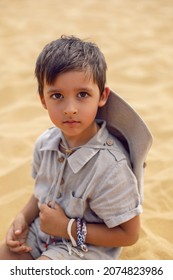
[26, 248]
[49, 204]
[12, 243]
[17, 227]
[43, 207]
[56, 206]
[10, 238]
[17, 231]
[21, 249]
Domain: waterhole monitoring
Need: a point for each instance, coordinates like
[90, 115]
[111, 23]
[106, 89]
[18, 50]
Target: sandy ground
[136, 37]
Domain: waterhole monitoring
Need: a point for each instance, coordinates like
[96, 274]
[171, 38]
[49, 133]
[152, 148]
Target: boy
[87, 198]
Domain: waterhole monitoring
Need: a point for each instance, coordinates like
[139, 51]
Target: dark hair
[70, 53]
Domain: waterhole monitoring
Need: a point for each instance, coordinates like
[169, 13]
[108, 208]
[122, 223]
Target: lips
[71, 122]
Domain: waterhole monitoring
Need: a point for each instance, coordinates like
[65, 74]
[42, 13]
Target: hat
[125, 124]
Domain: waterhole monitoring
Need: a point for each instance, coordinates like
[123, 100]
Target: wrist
[64, 232]
[77, 231]
[22, 216]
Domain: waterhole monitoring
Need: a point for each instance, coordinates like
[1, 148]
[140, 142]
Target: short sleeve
[35, 165]
[117, 200]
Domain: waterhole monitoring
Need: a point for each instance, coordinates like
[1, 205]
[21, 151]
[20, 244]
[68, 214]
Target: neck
[74, 142]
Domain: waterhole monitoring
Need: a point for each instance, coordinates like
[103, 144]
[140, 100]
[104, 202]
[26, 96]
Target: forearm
[55, 222]
[30, 210]
[100, 235]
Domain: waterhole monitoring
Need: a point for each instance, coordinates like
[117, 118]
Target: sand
[136, 37]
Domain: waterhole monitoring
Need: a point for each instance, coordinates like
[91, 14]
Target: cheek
[88, 112]
[54, 114]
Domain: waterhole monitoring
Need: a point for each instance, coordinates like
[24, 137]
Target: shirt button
[59, 195]
[144, 165]
[109, 142]
[61, 159]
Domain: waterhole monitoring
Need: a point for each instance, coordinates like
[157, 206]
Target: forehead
[72, 78]
[72, 82]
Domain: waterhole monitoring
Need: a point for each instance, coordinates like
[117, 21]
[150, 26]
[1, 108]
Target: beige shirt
[94, 182]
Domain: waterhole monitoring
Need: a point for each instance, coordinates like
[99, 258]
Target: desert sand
[136, 37]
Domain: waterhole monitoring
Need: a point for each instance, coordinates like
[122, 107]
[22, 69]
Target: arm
[31, 210]
[97, 234]
[123, 235]
[18, 231]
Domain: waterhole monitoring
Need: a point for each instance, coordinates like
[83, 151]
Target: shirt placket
[62, 159]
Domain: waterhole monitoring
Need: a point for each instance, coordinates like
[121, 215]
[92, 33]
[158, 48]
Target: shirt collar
[82, 155]
[51, 139]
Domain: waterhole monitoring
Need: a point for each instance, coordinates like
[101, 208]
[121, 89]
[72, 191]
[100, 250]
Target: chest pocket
[74, 207]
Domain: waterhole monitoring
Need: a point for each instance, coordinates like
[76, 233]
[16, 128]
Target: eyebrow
[84, 89]
[53, 90]
[76, 89]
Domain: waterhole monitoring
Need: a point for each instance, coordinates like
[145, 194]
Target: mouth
[71, 122]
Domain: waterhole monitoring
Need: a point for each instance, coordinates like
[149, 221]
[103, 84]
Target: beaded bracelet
[81, 234]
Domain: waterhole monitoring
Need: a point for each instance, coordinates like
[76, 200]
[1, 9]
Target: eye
[57, 96]
[83, 94]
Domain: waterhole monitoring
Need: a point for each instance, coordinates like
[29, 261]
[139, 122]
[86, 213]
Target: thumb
[56, 206]
[17, 231]
[44, 211]
[18, 227]
[43, 207]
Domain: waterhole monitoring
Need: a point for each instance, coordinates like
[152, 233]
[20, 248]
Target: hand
[17, 234]
[53, 221]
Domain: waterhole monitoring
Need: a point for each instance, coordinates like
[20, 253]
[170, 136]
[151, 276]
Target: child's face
[72, 103]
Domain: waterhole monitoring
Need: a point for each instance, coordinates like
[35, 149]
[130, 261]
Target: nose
[70, 109]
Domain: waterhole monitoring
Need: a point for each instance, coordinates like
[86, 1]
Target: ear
[43, 101]
[104, 97]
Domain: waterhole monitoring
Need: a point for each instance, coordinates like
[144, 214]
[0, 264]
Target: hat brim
[125, 124]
